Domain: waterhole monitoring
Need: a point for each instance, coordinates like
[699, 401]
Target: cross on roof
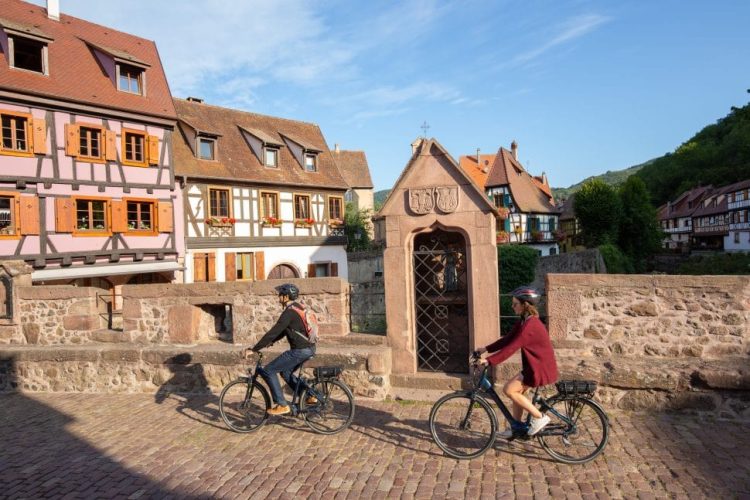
[424, 127]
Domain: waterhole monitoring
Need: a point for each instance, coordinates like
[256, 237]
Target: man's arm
[275, 332]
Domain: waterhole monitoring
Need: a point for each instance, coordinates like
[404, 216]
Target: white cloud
[574, 28]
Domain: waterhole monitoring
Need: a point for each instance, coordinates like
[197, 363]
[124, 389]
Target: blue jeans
[285, 364]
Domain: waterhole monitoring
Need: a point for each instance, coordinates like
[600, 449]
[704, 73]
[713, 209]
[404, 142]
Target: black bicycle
[464, 425]
[327, 405]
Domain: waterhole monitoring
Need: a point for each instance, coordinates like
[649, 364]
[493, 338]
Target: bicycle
[464, 425]
[244, 402]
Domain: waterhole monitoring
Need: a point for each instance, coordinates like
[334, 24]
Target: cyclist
[289, 324]
[538, 358]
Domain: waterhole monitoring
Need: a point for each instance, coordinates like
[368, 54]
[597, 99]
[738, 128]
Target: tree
[640, 235]
[356, 226]
[598, 209]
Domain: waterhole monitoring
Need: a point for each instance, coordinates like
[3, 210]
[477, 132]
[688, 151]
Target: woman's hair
[529, 309]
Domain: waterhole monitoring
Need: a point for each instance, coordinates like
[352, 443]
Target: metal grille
[441, 302]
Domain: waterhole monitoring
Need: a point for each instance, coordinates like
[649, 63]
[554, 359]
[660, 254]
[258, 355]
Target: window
[140, 216]
[206, 149]
[134, 147]
[8, 223]
[271, 157]
[91, 216]
[130, 79]
[15, 130]
[311, 162]
[28, 54]
[552, 224]
[218, 202]
[90, 143]
[269, 205]
[245, 266]
[736, 236]
[335, 207]
[553, 251]
[349, 196]
[301, 206]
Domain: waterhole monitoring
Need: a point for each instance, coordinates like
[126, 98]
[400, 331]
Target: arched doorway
[441, 302]
[283, 271]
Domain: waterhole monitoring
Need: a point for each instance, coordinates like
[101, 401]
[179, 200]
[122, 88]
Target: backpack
[309, 320]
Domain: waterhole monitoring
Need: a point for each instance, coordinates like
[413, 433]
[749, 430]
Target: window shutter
[507, 225]
[65, 215]
[72, 139]
[111, 149]
[311, 270]
[40, 136]
[334, 269]
[29, 215]
[153, 150]
[164, 219]
[199, 267]
[119, 216]
[506, 200]
[260, 266]
[230, 267]
[211, 271]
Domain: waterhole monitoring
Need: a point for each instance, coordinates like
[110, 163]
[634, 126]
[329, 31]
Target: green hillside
[611, 177]
[380, 197]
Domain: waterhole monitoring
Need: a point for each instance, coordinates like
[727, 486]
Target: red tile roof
[686, 204]
[478, 171]
[236, 159]
[75, 75]
[353, 167]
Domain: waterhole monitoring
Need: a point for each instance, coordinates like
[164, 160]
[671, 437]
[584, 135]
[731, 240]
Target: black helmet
[289, 290]
[526, 294]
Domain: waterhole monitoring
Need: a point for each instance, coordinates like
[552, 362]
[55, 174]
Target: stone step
[374, 339]
[109, 336]
[426, 386]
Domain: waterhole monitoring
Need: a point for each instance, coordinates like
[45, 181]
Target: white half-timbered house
[264, 198]
[738, 206]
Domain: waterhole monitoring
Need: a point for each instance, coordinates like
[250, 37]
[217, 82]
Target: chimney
[544, 179]
[478, 157]
[336, 148]
[514, 150]
[416, 144]
[53, 9]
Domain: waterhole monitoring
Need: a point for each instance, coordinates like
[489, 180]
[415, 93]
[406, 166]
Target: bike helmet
[526, 294]
[289, 290]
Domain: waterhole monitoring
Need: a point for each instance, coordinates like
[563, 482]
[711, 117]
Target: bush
[733, 263]
[616, 261]
[517, 266]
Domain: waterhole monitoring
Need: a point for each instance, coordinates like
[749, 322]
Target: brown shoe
[311, 400]
[278, 410]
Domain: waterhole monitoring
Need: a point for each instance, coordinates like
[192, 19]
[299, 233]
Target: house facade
[676, 218]
[264, 198]
[87, 186]
[711, 221]
[738, 214]
[569, 237]
[526, 207]
[356, 172]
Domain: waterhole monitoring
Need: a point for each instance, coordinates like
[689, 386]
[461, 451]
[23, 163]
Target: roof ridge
[247, 112]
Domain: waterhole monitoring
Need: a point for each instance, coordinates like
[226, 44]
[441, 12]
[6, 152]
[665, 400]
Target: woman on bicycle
[538, 358]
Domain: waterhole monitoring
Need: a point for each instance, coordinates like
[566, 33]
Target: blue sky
[582, 86]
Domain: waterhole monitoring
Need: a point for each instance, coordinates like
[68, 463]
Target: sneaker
[506, 434]
[279, 410]
[311, 400]
[537, 424]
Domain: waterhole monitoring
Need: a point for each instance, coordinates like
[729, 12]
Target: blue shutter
[507, 225]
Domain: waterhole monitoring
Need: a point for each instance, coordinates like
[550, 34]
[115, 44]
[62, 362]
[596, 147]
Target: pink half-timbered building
[87, 187]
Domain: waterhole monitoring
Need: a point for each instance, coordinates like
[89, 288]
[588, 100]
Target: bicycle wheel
[334, 409]
[462, 428]
[580, 439]
[241, 409]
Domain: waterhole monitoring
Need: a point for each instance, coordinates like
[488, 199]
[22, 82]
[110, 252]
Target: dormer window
[27, 47]
[271, 157]
[206, 148]
[130, 79]
[311, 162]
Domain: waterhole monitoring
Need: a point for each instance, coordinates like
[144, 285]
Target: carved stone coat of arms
[446, 198]
[421, 201]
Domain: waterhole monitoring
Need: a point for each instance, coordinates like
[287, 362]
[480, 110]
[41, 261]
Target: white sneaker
[537, 424]
[506, 434]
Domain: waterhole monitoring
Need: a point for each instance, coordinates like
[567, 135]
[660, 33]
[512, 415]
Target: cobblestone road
[128, 446]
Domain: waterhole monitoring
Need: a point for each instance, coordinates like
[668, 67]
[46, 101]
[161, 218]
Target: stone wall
[367, 292]
[656, 341]
[187, 313]
[586, 261]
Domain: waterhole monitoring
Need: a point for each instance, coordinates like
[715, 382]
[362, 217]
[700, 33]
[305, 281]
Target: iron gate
[441, 301]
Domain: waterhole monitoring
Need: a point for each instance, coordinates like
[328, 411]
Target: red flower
[208, 221]
[232, 220]
[224, 220]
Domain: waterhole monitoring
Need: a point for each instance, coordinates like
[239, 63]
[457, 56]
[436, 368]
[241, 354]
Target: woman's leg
[515, 390]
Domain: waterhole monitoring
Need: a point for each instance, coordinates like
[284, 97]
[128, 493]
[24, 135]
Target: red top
[539, 365]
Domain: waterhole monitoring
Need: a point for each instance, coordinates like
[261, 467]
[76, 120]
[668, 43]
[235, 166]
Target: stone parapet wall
[170, 369]
[175, 313]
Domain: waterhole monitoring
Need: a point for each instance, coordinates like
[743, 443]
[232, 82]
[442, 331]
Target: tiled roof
[737, 186]
[235, 157]
[353, 167]
[525, 190]
[566, 209]
[686, 204]
[478, 171]
[74, 72]
[716, 202]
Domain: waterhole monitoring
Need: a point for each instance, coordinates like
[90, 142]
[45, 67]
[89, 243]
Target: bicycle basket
[576, 387]
[328, 372]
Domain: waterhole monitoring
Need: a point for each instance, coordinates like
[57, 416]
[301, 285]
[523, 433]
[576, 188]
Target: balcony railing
[738, 204]
[678, 230]
[711, 229]
[739, 225]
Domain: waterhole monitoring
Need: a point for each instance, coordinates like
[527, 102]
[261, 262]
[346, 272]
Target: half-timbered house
[263, 196]
[676, 218]
[711, 221]
[525, 203]
[738, 207]
[87, 189]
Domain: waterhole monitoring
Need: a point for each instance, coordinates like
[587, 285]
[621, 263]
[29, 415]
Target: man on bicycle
[291, 325]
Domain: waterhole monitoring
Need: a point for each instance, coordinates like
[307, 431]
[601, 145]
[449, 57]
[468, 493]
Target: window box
[221, 221]
[304, 222]
[536, 236]
[335, 223]
[271, 222]
[502, 237]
